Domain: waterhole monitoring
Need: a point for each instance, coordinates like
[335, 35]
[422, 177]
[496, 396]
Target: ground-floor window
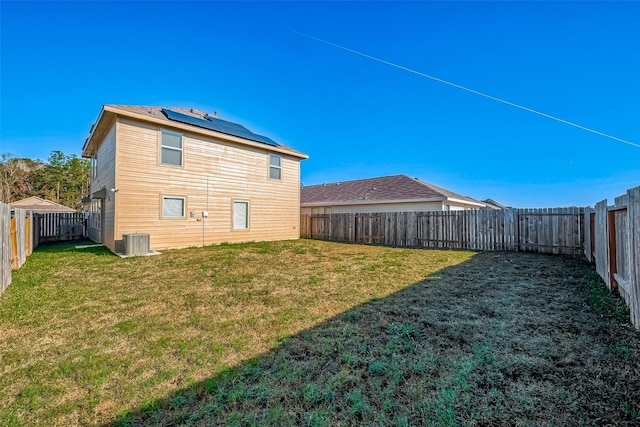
[240, 215]
[173, 207]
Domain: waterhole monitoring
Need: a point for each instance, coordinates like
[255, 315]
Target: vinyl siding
[214, 173]
[105, 178]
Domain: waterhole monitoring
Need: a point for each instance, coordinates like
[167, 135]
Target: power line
[522, 107]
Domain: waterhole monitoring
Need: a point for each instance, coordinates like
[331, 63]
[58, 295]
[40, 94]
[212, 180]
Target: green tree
[63, 178]
[17, 176]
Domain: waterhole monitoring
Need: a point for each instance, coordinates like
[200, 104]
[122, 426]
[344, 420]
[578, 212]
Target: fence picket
[495, 230]
[5, 246]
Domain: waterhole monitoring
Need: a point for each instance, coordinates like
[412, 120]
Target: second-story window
[94, 166]
[275, 166]
[171, 148]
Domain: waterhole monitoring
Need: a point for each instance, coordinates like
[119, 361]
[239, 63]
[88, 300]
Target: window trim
[173, 218]
[94, 166]
[270, 166]
[233, 215]
[162, 146]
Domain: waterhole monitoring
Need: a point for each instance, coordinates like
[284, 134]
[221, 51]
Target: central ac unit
[136, 243]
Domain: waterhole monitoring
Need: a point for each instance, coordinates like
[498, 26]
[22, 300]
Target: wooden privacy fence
[612, 242]
[554, 230]
[16, 243]
[21, 232]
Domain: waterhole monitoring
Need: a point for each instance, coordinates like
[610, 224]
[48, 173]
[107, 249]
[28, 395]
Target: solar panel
[218, 125]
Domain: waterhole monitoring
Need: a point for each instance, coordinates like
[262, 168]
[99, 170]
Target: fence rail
[556, 231]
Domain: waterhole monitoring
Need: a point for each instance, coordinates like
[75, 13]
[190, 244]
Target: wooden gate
[55, 227]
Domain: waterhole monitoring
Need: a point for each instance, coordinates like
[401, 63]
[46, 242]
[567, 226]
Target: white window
[275, 166]
[173, 207]
[94, 166]
[240, 215]
[171, 148]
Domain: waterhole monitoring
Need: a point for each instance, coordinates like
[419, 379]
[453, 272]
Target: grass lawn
[86, 335]
[313, 333]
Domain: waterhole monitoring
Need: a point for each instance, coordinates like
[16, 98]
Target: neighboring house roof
[186, 119]
[38, 205]
[385, 189]
[492, 204]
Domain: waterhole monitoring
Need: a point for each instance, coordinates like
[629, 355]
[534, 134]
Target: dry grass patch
[85, 335]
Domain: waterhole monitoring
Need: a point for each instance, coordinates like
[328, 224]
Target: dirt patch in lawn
[501, 339]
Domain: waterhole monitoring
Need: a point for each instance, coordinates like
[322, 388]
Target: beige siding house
[187, 178]
[396, 193]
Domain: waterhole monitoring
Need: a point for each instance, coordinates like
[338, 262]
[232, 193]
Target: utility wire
[522, 107]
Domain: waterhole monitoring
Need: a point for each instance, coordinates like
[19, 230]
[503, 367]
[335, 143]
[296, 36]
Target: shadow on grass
[502, 339]
[70, 246]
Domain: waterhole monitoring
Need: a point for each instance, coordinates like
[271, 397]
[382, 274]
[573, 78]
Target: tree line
[62, 178]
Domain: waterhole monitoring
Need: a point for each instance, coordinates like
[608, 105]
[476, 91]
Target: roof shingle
[385, 188]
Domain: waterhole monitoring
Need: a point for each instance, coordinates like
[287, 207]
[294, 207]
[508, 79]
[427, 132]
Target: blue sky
[356, 118]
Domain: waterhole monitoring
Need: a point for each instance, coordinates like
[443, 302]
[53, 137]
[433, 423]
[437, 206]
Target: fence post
[587, 233]
[633, 215]
[612, 250]
[5, 246]
[14, 244]
[601, 242]
[28, 235]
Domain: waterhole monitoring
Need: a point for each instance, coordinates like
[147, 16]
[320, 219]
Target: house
[187, 178]
[396, 193]
[39, 205]
[492, 204]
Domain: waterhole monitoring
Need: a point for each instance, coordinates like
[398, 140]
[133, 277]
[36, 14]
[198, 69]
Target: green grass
[496, 340]
[606, 303]
[87, 336]
[315, 334]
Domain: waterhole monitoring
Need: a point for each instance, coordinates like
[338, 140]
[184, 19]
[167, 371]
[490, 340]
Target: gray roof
[37, 204]
[381, 189]
[492, 204]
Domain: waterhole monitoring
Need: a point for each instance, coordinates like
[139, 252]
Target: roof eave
[185, 127]
[86, 152]
[467, 202]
